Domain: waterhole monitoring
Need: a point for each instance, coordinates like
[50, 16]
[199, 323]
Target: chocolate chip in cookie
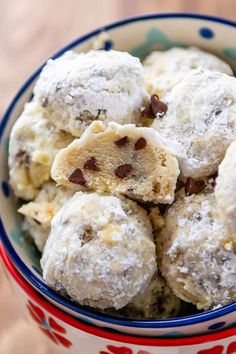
[140, 144]
[91, 164]
[194, 187]
[158, 107]
[121, 142]
[77, 177]
[123, 171]
[154, 107]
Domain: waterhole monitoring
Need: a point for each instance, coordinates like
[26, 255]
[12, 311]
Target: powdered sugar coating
[39, 213]
[198, 257]
[100, 250]
[225, 191]
[76, 89]
[201, 118]
[163, 70]
[34, 142]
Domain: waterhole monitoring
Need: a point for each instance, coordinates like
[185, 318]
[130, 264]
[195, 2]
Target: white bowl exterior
[137, 37]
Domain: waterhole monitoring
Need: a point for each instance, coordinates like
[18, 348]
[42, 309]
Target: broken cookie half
[121, 160]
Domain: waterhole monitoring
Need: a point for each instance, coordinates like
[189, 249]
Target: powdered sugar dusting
[196, 261]
[225, 189]
[164, 70]
[201, 119]
[80, 88]
[84, 256]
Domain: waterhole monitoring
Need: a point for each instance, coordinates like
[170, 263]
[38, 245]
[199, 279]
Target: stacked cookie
[119, 163]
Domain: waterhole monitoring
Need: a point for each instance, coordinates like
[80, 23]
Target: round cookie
[100, 251]
[163, 70]
[119, 159]
[39, 213]
[225, 192]
[157, 301]
[34, 142]
[77, 89]
[197, 253]
[201, 119]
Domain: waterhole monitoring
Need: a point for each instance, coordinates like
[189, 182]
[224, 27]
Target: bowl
[69, 335]
[137, 35]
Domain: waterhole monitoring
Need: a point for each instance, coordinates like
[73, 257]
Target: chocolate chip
[158, 107]
[147, 111]
[87, 236]
[123, 171]
[44, 102]
[140, 144]
[218, 112]
[154, 107]
[91, 164]
[194, 187]
[77, 177]
[37, 222]
[122, 141]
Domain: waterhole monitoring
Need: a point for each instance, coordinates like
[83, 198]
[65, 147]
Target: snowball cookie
[163, 70]
[201, 118]
[225, 191]
[34, 142]
[119, 159]
[157, 301]
[198, 254]
[100, 250]
[39, 213]
[76, 89]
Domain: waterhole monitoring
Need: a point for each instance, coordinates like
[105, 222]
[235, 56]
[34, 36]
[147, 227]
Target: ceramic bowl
[139, 36]
[72, 336]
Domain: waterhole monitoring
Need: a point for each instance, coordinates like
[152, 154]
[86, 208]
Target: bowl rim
[99, 332]
[28, 274]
